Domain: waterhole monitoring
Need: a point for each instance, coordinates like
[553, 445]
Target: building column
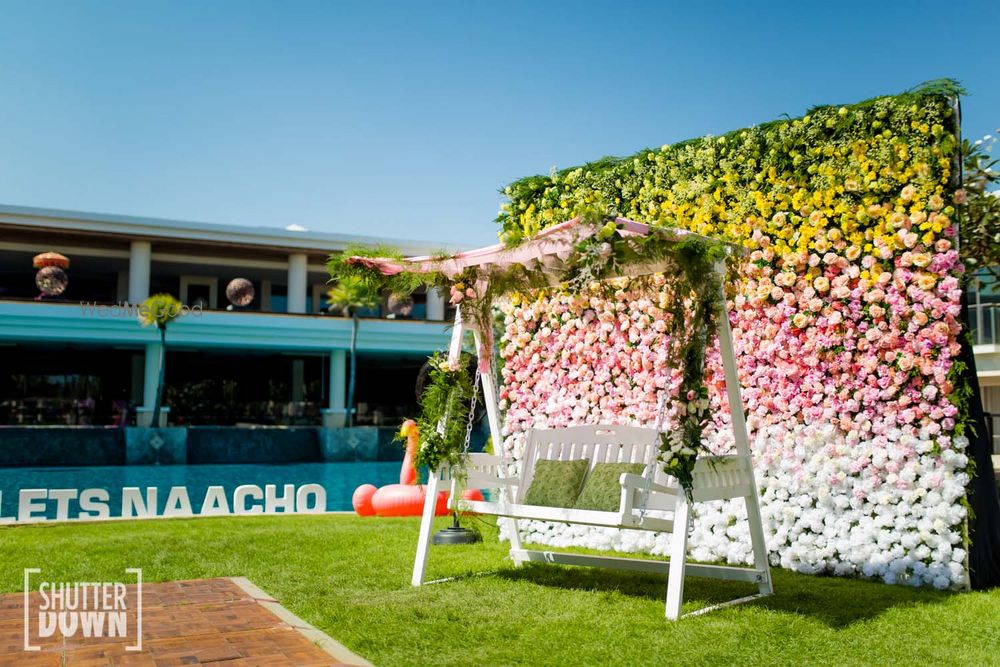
[150, 379]
[336, 413]
[138, 271]
[151, 374]
[297, 274]
[435, 304]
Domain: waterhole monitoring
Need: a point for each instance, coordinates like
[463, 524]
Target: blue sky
[404, 119]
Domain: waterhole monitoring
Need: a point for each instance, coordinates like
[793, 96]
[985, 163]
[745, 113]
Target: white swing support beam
[655, 504]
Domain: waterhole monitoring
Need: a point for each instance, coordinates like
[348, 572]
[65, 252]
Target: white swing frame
[656, 504]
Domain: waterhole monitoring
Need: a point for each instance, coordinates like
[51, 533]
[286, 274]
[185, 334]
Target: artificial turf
[350, 577]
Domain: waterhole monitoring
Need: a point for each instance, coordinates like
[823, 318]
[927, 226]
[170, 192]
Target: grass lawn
[350, 577]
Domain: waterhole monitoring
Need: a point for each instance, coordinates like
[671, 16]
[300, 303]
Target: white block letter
[316, 493]
[62, 498]
[215, 503]
[94, 504]
[134, 505]
[240, 496]
[178, 503]
[26, 506]
[272, 502]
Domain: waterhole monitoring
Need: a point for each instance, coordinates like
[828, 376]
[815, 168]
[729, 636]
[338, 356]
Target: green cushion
[556, 483]
[603, 490]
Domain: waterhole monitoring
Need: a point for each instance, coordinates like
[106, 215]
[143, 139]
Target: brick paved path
[202, 622]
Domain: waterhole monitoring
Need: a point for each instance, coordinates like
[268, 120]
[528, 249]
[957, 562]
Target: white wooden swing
[651, 501]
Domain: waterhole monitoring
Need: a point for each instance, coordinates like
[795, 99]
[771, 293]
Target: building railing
[35, 411]
[367, 314]
[984, 323]
[992, 432]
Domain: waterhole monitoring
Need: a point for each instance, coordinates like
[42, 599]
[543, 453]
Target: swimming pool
[40, 494]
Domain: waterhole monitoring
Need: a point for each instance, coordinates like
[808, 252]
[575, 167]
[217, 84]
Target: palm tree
[347, 297]
[159, 310]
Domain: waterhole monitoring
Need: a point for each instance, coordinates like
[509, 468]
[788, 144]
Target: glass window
[279, 298]
[199, 295]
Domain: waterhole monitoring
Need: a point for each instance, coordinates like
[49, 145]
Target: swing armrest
[484, 471]
[659, 498]
[505, 481]
[638, 483]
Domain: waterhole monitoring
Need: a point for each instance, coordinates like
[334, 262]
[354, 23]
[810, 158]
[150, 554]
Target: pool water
[337, 479]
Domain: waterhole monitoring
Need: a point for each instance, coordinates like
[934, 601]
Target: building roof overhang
[135, 227]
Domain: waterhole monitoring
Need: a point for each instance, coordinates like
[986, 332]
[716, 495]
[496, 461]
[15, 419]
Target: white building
[80, 358]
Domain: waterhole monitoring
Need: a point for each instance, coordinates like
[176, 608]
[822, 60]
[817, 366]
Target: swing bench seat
[655, 503]
[645, 504]
[659, 507]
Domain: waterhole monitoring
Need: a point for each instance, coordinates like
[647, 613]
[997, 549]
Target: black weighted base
[456, 535]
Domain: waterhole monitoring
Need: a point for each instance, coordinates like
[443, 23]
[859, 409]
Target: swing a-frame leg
[678, 555]
[426, 524]
[437, 477]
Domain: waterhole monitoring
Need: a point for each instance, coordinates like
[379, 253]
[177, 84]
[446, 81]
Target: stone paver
[220, 622]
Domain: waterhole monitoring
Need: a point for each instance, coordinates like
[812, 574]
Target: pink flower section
[844, 359]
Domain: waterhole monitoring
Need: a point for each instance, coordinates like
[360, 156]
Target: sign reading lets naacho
[38, 505]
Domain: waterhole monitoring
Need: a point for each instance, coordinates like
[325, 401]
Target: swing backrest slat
[598, 443]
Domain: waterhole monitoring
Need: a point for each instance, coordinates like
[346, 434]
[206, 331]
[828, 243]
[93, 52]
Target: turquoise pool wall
[220, 444]
[54, 446]
[61, 446]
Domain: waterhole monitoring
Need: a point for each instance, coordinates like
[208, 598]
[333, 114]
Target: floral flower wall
[846, 323]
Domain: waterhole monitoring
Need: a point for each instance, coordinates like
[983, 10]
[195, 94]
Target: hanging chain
[472, 410]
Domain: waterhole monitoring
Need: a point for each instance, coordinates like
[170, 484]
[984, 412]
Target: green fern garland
[444, 411]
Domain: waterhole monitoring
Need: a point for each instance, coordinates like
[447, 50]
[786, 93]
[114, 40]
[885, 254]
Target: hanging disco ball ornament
[400, 305]
[51, 280]
[240, 292]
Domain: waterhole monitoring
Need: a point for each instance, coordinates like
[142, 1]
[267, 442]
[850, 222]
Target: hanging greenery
[697, 301]
[444, 412]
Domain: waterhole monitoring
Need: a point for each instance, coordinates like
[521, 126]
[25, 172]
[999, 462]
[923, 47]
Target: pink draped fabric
[556, 241]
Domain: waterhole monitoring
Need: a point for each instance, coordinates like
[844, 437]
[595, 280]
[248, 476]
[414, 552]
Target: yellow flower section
[850, 173]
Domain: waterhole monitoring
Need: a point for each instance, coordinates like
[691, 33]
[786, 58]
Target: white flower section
[904, 531]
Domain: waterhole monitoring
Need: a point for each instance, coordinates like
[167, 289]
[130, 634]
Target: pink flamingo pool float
[407, 497]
